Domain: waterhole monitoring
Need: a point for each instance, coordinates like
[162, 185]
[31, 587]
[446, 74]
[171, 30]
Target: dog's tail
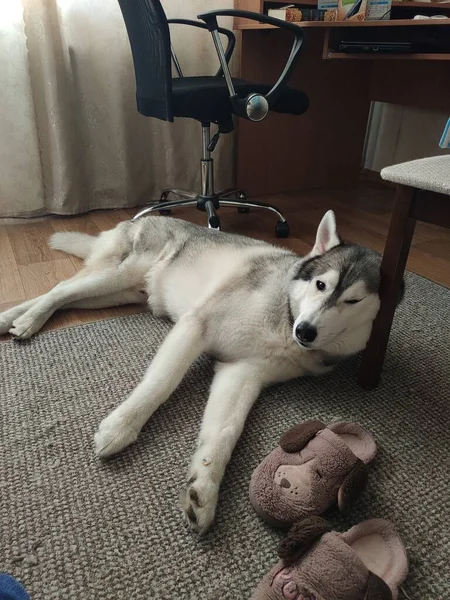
[72, 242]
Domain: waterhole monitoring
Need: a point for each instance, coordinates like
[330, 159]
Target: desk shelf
[337, 24]
[415, 5]
[405, 30]
[417, 56]
[431, 43]
[408, 5]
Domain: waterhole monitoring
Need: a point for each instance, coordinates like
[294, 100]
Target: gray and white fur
[263, 312]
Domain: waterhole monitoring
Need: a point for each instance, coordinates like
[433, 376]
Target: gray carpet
[74, 528]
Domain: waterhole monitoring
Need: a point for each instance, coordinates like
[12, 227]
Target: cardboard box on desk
[379, 10]
[351, 10]
[330, 7]
[354, 10]
[344, 10]
[296, 14]
[334, 10]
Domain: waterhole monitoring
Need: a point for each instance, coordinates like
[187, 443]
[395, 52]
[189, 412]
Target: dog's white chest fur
[241, 321]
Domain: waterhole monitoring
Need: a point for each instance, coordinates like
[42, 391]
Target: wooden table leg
[395, 255]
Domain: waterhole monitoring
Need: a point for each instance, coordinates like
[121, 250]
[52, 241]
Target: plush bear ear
[300, 537]
[377, 589]
[353, 485]
[296, 438]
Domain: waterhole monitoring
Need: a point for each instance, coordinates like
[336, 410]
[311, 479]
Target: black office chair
[210, 99]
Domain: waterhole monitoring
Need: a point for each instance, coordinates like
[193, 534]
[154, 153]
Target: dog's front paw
[199, 501]
[113, 435]
[25, 326]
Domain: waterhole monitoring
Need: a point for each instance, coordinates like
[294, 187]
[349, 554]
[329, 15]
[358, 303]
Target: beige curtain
[71, 138]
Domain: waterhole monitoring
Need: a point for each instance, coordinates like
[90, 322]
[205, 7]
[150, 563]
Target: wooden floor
[29, 268]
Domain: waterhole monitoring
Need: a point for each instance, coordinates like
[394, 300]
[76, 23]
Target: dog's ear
[353, 485]
[326, 237]
[298, 436]
[377, 589]
[300, 537]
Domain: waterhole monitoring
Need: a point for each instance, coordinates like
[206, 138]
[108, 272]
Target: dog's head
[334, 296]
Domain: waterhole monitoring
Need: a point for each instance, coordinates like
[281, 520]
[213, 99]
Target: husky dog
[266, 315]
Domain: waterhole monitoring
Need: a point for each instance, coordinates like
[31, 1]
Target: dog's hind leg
[181, 347]
[88, 283]
[9, 316]
[130, 296]
[234, 390]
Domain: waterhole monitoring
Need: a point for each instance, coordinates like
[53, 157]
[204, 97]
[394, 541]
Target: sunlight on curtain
[71, 138]
[20, 169]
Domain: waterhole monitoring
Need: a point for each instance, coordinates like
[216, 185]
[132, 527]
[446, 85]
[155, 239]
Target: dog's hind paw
[113, 435]
[5, 323]
[199, 501]
[26, 325]
[8, 317]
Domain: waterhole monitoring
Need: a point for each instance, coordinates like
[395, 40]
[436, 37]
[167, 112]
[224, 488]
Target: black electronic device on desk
[362, 47]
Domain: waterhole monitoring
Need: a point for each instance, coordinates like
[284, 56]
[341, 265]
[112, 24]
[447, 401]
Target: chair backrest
[148, 32]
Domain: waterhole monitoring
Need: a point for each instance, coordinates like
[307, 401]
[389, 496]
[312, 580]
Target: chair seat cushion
[432, 174]
[206, 98]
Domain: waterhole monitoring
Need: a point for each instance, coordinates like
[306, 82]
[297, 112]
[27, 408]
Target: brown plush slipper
[314, 466]
[368, 562]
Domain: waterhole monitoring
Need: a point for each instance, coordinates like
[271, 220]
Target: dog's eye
[352, 301]
[320, 286]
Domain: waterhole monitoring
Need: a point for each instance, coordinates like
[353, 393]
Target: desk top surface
[332, 24]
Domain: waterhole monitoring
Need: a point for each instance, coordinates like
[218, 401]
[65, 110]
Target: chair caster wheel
[282, 229]
[165, 212]
[242, 198]
[214, 222]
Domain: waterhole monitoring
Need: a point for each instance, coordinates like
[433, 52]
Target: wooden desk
[325, 145]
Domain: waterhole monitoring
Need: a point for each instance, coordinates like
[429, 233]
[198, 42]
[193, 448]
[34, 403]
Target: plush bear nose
[306, 332]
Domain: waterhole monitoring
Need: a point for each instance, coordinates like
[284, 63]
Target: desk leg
[393, 266]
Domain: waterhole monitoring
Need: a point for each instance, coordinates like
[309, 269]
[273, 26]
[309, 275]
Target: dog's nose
[305, 332]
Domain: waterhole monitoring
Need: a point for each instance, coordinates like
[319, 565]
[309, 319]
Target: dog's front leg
[181, 347]
[233, 392]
